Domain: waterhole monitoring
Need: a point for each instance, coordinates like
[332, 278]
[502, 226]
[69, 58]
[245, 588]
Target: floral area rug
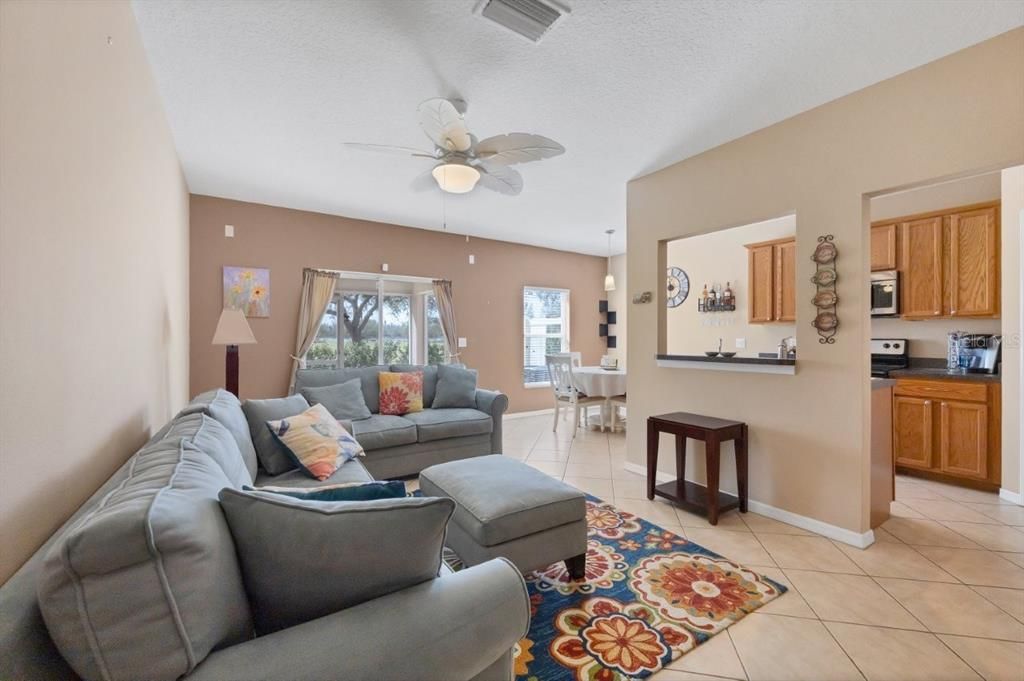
[649, 597]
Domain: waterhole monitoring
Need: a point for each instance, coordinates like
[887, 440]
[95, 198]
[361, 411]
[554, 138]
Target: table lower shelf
[695, 497]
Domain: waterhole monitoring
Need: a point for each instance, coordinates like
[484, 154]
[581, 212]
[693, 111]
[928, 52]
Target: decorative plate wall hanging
[826, 299]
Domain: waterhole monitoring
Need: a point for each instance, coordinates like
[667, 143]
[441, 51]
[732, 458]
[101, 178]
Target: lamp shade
[456, 178]
[609, 282]
[232, 329]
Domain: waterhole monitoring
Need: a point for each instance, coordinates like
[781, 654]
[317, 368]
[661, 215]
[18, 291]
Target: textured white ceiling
[261, 94]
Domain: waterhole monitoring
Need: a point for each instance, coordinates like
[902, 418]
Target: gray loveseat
[144, 582]
[400, 446]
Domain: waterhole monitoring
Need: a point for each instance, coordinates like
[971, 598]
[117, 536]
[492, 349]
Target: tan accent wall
[1012, 222]
[488, 295]
[963, 114]
[93, 261]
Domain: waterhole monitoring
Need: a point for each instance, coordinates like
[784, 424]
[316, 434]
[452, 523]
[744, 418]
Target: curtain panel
[446, 311]
[317, 291]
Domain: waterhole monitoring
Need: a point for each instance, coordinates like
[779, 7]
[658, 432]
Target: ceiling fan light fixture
[456, 178]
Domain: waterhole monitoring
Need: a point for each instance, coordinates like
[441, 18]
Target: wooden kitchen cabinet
[883, 247]
[912, 431]
[948, 261]
[771, 276]
[948, 429]
[974, 263]
[921, 268]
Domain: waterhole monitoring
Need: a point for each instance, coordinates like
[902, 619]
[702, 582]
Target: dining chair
[614, 402]
[560, 366]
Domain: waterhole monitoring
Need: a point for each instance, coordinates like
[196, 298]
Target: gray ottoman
[506, 508]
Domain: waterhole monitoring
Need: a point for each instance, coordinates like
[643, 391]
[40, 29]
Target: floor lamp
[232, 331]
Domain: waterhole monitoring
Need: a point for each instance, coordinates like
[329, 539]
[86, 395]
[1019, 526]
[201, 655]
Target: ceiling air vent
[529, 18]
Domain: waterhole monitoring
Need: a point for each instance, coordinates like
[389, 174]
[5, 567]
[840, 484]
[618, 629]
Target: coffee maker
[980, 352]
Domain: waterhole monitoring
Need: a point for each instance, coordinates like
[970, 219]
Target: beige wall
[928, 336]
[488, 295]
[93, 261]
[809, 432]
[1012, 221]
[618, 300]
[720, 258]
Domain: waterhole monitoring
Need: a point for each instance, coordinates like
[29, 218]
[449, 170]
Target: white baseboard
[1012, 497]
[524, 414]
[860, 540]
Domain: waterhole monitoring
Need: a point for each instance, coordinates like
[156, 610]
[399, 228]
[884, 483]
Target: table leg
[680, 466]
[712, 447]
[741, 468]
[652, 457]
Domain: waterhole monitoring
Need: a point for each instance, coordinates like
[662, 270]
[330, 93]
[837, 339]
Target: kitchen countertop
[879, 383]
[773, 361]
[934, 372]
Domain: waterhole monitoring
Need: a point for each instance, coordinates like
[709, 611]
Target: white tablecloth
[598, 382]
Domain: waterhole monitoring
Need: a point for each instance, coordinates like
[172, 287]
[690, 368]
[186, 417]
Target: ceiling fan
[463, 162]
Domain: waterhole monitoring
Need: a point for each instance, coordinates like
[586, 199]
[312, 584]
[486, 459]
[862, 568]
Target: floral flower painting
[247, 289]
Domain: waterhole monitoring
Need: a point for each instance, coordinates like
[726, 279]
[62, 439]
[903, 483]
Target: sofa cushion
[353, 471]
[305, 559]
[271, 453]
[343, 400]
[210, 437]
[501, 499]
[147, 583]
[438, 424]
[401, 392]
[380, 431]
[316, 441]
[225, 407]
[429, 379]
[456, 387]
[318, 378]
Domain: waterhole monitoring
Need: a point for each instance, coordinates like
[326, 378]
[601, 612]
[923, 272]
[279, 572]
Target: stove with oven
[888, 354]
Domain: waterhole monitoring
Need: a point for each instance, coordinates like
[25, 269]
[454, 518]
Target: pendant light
[609, 280]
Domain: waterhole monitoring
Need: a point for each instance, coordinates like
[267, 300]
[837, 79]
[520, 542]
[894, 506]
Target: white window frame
[566, 343]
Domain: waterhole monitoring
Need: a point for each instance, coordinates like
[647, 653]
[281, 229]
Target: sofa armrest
[494, 403]
[453, 627]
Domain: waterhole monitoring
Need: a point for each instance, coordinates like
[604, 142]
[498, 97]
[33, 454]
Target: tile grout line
[736, 651]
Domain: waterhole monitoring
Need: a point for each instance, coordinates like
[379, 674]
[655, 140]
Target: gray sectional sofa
[144, 581]
[400, 446]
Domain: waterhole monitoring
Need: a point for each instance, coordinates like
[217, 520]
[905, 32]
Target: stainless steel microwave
[885, 293]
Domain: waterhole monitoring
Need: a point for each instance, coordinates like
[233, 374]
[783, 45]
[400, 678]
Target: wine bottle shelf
[715, 307]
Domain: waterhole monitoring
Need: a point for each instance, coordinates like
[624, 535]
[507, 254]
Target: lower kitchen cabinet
[947, 428]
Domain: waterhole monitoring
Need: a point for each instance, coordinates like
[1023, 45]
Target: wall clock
[678, 287]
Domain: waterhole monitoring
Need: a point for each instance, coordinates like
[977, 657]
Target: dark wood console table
[713, 431]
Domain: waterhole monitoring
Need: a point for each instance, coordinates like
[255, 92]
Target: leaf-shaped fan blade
[517, 147]
[443, 124]
[501, 179]
[388, 149]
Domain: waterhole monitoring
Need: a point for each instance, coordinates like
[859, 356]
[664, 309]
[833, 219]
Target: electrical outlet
[741, 343]
[229, 231]
[472, 260]
[384, 267]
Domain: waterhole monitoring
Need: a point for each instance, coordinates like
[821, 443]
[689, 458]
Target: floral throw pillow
[316, 441]
[401, 392]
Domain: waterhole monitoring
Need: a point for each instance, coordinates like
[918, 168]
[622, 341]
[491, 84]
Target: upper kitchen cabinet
[948, 261]
[974, 263]
[772, 281]
[921, 268]
[883, 247]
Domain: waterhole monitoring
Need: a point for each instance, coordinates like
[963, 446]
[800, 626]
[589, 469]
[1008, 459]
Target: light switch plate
[472, 259]
[229, 231]
[384, 267]
[463, 342]
[741, 343]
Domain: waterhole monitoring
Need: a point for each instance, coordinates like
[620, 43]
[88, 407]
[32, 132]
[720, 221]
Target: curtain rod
[343, 274]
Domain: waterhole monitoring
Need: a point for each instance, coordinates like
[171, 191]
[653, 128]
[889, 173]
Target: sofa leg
[577, 567]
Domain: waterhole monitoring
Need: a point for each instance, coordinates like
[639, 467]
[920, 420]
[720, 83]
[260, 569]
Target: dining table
[597, 381]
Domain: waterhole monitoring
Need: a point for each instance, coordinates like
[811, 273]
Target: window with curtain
[545, 331]
[433, 339]
[363, 329]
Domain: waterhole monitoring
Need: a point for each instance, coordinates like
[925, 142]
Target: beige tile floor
[940, 595]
